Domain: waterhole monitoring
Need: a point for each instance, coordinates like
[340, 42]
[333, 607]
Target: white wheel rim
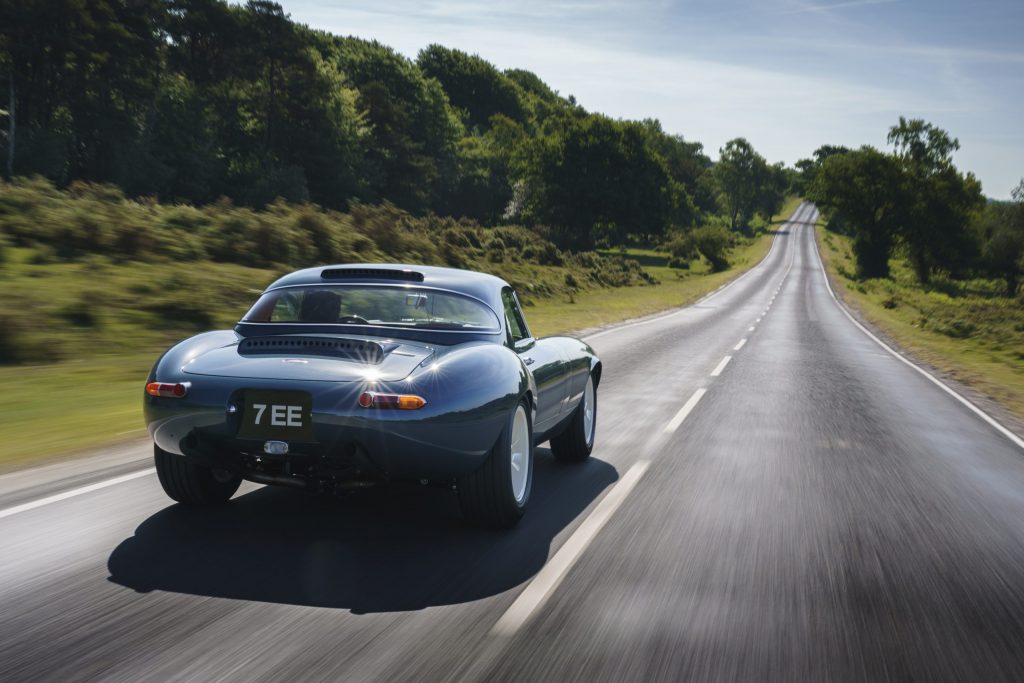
[588, 410]
[520, 460]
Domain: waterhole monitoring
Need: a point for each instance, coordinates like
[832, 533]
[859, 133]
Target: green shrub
[21, 340]
[713, 243]
[81, 313]
[682, 247]
[183, 311]
[679, 263]
[958, 329]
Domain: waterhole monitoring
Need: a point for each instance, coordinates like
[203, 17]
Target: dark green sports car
[349, 375]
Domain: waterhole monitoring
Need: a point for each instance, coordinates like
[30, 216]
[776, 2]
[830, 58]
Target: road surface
[773, 496]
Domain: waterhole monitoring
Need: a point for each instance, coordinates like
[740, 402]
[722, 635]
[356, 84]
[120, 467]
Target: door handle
[528, 361]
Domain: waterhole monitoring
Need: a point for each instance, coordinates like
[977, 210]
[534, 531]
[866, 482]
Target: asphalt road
[811, 509]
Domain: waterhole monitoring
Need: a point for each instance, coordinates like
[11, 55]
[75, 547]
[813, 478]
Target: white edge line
[685, 411]
[25, 507]
[721, 366]
[626, 326]
[551, 575]
[740, 345]
[932, 378]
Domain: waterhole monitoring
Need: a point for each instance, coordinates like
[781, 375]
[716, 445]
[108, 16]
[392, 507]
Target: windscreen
[409, 307]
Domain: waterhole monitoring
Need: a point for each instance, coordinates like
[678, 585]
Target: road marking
[25, 507]
[753, 269]
[685, 411]
[721, 366]
[758, 320]
[740, 345]
[931, 378]
[751, 329]
[551, 575]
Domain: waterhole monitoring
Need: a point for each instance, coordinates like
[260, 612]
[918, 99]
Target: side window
[516, 324]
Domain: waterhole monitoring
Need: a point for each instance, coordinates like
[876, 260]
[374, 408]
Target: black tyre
[192, 484]
[496, 495]
[577, 441]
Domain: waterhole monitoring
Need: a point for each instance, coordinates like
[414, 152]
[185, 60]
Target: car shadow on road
[394, 548]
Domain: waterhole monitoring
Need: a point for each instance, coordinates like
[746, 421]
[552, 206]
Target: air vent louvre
[365, 351]
[371, 274]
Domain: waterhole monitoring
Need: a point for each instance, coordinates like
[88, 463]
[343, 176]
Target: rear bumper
[362, 444]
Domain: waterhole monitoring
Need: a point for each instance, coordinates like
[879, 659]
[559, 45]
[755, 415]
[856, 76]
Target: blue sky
[789, 75]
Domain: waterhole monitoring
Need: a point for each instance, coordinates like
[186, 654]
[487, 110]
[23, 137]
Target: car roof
[482, 286]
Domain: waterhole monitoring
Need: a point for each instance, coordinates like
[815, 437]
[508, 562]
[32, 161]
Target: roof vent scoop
[371, 274]
[353, 349]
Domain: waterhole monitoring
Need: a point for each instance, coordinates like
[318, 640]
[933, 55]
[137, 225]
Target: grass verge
[963, 328]
[93, 398]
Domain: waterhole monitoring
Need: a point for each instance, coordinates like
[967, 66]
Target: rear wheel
[496, 494]
[577, 441]
[191, 483]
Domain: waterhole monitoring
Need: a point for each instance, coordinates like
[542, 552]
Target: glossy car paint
[471, 382]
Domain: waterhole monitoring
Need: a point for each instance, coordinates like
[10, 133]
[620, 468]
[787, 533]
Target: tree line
[914, 201]
[195, 100]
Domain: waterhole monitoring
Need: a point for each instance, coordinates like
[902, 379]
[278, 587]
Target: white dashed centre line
[721, 366]
[685, 411]
[740, 345]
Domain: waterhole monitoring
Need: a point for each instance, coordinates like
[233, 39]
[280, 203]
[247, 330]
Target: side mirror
[524, 344]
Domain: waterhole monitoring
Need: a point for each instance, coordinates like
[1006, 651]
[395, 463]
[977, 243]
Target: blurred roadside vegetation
[86, 271]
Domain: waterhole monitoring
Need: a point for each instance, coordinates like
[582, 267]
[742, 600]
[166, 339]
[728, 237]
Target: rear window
[410, 307]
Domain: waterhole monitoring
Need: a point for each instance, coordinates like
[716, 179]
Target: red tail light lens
[165, 390]
[369, 399]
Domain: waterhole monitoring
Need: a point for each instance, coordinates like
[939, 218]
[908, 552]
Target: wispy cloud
[827, 8]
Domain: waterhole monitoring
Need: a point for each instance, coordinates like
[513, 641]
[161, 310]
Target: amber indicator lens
[369, 399]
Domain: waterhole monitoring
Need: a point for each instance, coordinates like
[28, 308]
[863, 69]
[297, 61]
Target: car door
[546, 362]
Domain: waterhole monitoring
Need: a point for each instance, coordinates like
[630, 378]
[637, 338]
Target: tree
[473, 85]
[1003, 230]
[740, 171]
[771, 190]
[686, 163]
[595, 177]
[867, 189]
[941, 201]
[807, 169]
[412, 151]
[84, 83]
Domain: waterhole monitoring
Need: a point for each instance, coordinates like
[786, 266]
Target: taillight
[370, 399]
[167, 390]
